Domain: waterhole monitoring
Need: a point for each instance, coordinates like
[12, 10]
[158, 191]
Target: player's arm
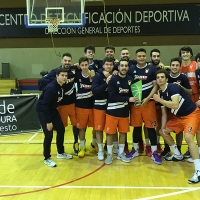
[173, 104]
[97, 87]
[188, 91]
[164, 117]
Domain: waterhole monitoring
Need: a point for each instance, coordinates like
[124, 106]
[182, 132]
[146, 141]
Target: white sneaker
[100, 155]
[115, 151]
[123, 158]
[190, 160]
[64, 156]
[109, 159]
[49, 162]
[195, 178]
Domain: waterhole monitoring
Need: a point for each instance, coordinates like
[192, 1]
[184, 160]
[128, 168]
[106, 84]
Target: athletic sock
[109, 149]
[121, 148]
[100, 147]
[175, 150]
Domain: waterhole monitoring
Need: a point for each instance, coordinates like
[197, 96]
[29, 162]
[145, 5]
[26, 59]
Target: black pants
[59, 127]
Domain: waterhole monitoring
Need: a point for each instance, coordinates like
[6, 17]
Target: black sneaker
[165, 153]
[187, 154]
[175, 158]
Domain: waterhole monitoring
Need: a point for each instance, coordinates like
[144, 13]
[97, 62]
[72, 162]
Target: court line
[63, 186]
[56, 186]
[169, 194]
[33, 136]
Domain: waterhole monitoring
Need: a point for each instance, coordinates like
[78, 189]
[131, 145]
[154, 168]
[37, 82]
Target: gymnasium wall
[28, 56]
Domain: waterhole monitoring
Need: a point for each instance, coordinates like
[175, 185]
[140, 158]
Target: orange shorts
[99, 119]
[112, 123]
[188, 124]
[194, 97]
[84, 118]
[68, 111]
[198, 128]
[146, 113]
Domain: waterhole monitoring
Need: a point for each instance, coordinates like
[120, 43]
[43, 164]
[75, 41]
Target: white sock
[121, 148]
[82, 143]
[199, 150]
[175, 150]
[153, 148]
[94, 141]
[147, 142]
[115, 145]
[135, 146]
[109, 149]
[158, 139]
[100, 146]
[197, 164]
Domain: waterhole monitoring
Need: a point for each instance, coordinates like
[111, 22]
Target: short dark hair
[140, 50]
[175, 59]
[186, 49]
[124, 49]
[60, 69]
[67, 54]
[154, 50]
[108, 59]
[89, 47]
[83, 59]
[197, 57]
[110, 47]
[162, 71]
[123, 60]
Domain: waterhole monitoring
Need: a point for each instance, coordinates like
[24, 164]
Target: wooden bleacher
[6, 84]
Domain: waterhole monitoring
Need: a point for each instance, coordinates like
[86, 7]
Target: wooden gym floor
[23, 175]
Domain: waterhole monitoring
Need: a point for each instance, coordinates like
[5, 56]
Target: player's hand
[92, 73]
[108, 79]
[133, 99]
[115, 72]
[106, 74]
[77, 65]
[161, 65]
[49, 126]
[178, 83]
[145, 101]
[163, 131]
[156, 97]
[198, 103]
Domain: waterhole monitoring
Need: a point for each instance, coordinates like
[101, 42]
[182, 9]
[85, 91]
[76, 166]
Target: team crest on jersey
[58, 92]
[104, 79]
[167, 94]
[129, 82]
[118, 82]
[96, 66]
[146, 70]
[73, 71]
[80, 80]
[134, 71]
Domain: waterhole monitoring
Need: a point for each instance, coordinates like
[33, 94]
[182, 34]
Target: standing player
[146, 112]
[67, 106]
[185, 119]
[189, 67]
[117, 113]
[50, 119]
[84, 102]
[100, 91]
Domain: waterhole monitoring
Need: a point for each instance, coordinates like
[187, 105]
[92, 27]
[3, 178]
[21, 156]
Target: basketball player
[50, 119]
[185, 119]
[146, 112]
[84, 102]
[100, 91]
[117, 113]
[67, 106]
[189, 67]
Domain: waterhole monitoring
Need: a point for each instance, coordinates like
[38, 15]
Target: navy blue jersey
[181, 78]
[198, 79]
[118, 96]
[185, 107]
[96, 65]
[148, 76]
[100, 91]
[49, 100]
[84, 98]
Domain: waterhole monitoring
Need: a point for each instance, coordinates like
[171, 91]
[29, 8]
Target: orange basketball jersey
[190, 73]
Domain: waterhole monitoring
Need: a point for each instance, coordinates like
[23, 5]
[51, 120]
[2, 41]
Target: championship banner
[136, 89]
[18, 114]
[130, 20]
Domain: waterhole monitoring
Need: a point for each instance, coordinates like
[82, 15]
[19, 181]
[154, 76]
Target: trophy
[136, 89]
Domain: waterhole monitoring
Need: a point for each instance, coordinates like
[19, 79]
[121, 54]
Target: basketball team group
[105, 95]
